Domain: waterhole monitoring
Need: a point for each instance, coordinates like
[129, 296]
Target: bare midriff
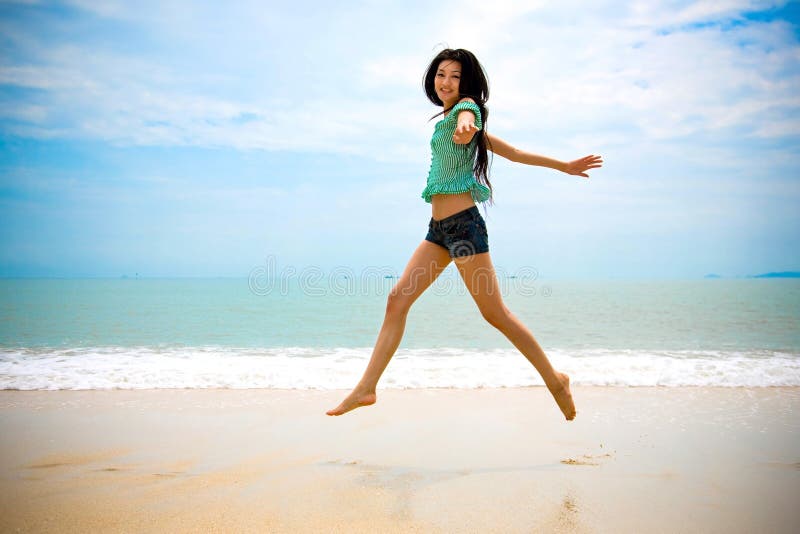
[447, 205]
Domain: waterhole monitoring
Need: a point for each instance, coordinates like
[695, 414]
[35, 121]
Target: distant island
[782, 274]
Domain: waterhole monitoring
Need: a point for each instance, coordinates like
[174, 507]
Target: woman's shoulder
[465, 103]
[468, 104]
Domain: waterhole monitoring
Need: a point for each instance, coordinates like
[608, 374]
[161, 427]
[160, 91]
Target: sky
[184, 139]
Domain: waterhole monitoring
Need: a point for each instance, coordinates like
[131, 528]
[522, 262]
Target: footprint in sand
[587, 459]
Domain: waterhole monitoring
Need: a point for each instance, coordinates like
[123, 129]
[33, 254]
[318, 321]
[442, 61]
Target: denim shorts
[462, 234]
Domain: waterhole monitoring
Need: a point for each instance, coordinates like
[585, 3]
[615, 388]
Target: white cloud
[104, 8]
[23, 112]
[557, 71]
[671, 12]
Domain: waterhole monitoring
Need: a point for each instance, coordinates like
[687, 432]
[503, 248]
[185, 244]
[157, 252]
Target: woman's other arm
[577, 167]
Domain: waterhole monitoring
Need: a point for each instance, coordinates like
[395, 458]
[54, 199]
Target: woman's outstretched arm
[577, 167]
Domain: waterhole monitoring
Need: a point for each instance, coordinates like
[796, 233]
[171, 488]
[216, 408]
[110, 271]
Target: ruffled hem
[480, 193]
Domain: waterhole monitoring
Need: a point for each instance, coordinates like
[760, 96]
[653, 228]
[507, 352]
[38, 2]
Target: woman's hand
[464, 131]
[580, 166]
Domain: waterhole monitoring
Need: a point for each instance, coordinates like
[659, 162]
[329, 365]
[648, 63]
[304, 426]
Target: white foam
[341, 368]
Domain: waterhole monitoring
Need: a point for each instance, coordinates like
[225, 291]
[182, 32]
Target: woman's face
[448, 77]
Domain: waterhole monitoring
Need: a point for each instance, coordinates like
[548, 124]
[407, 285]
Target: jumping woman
[458, 178]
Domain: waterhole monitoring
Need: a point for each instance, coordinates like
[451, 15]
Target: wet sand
[435, 460]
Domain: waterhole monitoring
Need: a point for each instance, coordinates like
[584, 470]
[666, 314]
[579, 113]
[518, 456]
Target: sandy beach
[431, 460]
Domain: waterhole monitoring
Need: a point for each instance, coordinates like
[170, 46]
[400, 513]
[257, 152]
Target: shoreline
[652, 458]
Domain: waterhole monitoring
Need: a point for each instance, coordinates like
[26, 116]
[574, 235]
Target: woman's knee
[397, 303]
[498, 317]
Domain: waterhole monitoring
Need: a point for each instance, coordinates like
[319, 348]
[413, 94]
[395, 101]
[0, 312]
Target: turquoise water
[333, 320]
[672, 315]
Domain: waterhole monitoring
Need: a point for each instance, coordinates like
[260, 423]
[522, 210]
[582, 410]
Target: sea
[317, 332]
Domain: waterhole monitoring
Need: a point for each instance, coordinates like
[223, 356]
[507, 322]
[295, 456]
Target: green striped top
[451, 164]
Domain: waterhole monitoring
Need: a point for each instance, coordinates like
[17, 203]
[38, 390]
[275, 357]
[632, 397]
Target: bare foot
[356, 399]
[563, 396]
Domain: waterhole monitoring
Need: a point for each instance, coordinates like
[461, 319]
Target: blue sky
[199, 139]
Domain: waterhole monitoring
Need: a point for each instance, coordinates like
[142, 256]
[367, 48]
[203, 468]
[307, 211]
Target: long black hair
[473, 83]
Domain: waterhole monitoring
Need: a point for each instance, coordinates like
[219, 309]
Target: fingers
[580, 166]
[463, 132]
[464, 128]
[587, 161]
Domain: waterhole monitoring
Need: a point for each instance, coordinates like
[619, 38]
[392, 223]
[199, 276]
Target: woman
[458, 179]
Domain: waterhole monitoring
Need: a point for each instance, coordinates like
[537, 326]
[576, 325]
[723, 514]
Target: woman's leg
[478, 274]
[425, 265]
